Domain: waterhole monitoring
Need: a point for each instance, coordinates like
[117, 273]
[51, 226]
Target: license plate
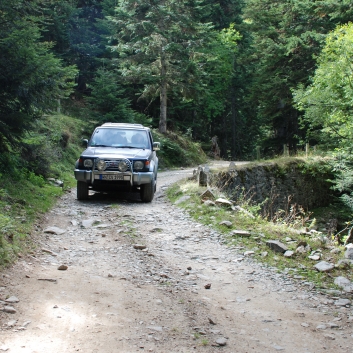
[112, 177]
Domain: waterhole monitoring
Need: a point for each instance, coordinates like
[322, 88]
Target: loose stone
[314, 257]
[221, 341]
[226, 223]
[288, 253]
[349, 253]
[324, 266]
[9, 309]
[139, 246]
[276, 246]
[54, 230]
[12, 300]
[342, 302]
[62, 267]
[342, 281]
[242, 233]
[223, 202]
[11, 323]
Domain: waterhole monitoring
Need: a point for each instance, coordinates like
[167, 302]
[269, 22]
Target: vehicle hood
[116, 152]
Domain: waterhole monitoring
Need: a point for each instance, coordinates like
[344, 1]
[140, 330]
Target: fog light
[123, 166]
[101, 165]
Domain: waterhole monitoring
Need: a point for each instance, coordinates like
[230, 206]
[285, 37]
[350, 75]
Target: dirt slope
[117, 296]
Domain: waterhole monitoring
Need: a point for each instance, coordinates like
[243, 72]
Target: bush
[178, 151]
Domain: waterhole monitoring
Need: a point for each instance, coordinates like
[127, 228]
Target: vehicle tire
[147, 191]
[82, 190]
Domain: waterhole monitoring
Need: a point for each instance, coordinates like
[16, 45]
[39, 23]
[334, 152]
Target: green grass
[22, 201]
[204, 342]
[261, 231]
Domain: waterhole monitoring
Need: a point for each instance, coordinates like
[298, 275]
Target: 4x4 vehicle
[118, 156]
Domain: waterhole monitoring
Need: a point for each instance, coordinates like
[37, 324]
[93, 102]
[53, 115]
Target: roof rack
[122, 124]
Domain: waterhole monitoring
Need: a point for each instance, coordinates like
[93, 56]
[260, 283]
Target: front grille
[112, 165]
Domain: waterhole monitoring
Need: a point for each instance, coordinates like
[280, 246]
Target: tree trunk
[163, 98]
[234, 124]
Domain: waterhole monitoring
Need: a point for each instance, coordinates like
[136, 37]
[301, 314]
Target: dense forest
[257, 74]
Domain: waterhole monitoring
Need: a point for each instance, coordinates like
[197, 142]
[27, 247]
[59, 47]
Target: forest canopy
[255, 75]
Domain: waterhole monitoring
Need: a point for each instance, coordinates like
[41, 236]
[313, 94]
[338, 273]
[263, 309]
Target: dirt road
[146, 278]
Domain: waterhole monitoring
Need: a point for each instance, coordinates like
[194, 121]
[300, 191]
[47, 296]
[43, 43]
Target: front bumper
[135, 178]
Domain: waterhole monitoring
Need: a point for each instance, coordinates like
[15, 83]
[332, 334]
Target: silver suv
[118, 157]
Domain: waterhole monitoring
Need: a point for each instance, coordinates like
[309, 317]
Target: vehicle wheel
[82, 190]
[147, 191]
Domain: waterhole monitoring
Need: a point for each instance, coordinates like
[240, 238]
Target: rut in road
[137, 280]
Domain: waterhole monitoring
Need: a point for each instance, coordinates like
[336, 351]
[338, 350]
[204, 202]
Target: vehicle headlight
[139, 165]
[123, 166]
[101, 165]
[88, 163]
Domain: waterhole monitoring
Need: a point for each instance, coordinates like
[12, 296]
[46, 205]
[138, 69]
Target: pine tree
[157, 42]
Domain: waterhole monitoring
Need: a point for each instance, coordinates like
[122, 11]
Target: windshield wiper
[122, 146]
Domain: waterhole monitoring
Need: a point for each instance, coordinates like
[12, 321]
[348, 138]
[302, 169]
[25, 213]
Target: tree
[327, 104]
[328, 101]
[287, 35]
[156, 42]
[31, 78]
[108, 97]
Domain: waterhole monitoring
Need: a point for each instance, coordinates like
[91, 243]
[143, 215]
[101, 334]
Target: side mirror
[156, 146]
[84, 142]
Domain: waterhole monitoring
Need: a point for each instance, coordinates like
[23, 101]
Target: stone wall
[281, 185]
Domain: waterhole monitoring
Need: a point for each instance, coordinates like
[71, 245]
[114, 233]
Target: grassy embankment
[50, 151]
[306, 228]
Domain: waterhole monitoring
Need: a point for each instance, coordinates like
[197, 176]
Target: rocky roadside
[116, 275]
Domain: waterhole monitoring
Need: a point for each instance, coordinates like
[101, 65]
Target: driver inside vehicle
[138, 139]
[116, 138]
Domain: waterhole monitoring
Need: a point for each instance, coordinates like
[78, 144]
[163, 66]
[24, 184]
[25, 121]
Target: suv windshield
[128, 138]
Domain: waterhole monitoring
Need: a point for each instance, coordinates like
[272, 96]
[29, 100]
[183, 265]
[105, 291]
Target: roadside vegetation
[40, 169]
[247, 230]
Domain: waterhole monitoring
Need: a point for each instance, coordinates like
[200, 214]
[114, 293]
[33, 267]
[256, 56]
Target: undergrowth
[178, 150]
[26, 193]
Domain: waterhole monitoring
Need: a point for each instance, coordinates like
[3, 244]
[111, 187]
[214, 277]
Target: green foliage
[218, 71]
[178, 151]
[156, 44]
[108, 98]
[31, 78]
[342, 165]
[287, 36]
[74, 27]
[327, 101]
[327, 106]
[50, 150]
